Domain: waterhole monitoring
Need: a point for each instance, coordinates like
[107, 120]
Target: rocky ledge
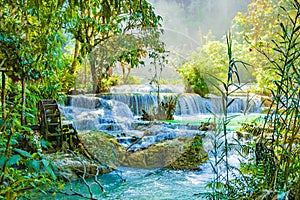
[179, 153]
[101, 153]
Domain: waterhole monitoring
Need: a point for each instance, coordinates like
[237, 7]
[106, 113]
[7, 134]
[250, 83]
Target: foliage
[221, 185]
[258, 26]
[194, 80]
[108, 81]
[35, 58]
[133, 80]
[21, 169]
[277, 148]
[93, 22]
[164, 111]
[273, 173]
[166, 107]
[34, 49]
[207, 63]
[169, 106]
[126, 51]
[31, 45]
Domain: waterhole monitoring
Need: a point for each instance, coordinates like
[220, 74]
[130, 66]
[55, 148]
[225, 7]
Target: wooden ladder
[50, 121]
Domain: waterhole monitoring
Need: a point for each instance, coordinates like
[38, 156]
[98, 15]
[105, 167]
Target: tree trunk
[125, 75]
[94, 75]
[76, 54]
[123, 71]
[75, 59]
[23, 121]
[128, 72]
[3, 96]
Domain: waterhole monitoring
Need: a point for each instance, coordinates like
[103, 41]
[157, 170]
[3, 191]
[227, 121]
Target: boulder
[178, 153]
[103, 148]
[99, 154]
[72, 166]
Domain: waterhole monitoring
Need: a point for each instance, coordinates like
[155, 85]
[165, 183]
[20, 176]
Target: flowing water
[118, 114]
[145, 184]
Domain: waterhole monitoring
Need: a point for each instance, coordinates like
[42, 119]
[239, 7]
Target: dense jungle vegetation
[45, 44]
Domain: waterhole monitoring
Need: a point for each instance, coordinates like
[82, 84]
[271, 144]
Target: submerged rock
[178, 153]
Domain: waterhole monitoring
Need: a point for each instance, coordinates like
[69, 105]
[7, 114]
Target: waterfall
[192, 104]
[93, 113]
[146, 89]
[114, 114]
[136, 102]
[187, 103]
[240, 104]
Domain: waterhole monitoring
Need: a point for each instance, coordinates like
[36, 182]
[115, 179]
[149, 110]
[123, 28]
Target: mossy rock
[178, 153]
[103, 147]
[99, 154]
[74, 166]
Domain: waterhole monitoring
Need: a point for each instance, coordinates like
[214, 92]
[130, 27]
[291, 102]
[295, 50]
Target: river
[118, 113]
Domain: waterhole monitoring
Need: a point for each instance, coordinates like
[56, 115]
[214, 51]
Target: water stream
[118, 115]
[145, 184]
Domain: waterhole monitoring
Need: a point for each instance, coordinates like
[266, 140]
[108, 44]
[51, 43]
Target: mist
[186, 22]
[185, 25]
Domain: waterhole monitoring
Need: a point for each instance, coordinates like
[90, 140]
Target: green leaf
[47, 166]
[13, 141]
[2, 160]
[22, 152]
[34, 164]
[27, 129]
[45, 144]
[13, 160]
[45, 163]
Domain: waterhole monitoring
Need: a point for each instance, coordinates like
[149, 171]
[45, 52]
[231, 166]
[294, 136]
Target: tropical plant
[221, 185]
[254, 29]
[208, 62]
[276, 172]
[93, 22]
[273, 170]
[126, 51]
[31, 43]
[23, 167]
[33, 63]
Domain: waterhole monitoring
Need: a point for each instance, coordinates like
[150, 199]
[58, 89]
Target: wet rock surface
[177, 153]
[106, 155]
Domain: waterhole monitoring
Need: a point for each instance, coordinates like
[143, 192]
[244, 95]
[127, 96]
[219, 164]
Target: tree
[256, 29]
[31, 41]
[93, 22]
[126, 51]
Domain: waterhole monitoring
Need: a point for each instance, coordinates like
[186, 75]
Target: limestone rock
[72, 166]
[103, 147]
[178, 153]
[104, 150]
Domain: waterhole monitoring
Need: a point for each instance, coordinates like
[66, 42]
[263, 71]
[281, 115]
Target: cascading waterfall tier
[187, 103]
[117, 113]
[93, 113]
